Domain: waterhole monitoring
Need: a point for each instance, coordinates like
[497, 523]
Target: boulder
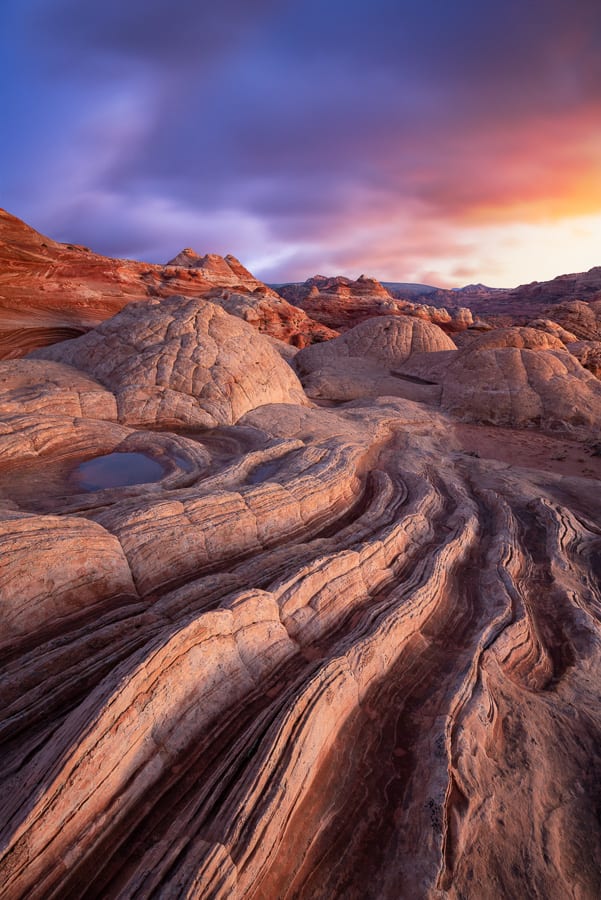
[181, 360]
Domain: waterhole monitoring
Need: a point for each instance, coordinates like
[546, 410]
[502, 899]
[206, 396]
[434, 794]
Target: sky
[412, 140]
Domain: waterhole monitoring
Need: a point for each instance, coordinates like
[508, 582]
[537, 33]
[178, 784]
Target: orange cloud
[537, 171]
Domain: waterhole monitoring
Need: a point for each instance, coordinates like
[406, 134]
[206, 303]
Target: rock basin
[117, 470]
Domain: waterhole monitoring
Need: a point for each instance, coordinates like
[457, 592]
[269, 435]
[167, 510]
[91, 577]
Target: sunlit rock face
[511, 377]
[553, 328]
[389, 341]
[523, 389]
[588, 354]
[341, 303]
[367, 361]
[50, 292]
[520, 337]
[225, 271]
[580, 318]
[341, 650]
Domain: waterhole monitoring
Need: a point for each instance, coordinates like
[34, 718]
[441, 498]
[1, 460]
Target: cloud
[378, 135]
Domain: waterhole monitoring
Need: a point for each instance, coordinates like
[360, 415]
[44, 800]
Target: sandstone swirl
[51, 292]
[328, 651]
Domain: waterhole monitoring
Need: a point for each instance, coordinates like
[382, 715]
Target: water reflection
[117, 470]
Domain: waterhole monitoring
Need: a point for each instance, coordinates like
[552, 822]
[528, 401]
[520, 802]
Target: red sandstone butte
[50, 291]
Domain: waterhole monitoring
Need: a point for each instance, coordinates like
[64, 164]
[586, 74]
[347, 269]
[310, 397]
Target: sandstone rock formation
[579, 285]
[350, 651]
[388, 340]
[514, 377]
[527, 301]
[521, 337]
[272, 316]
[341, 303]
[553, 328]
[523, 388]
[518, 305]
[181, 361]
[365, 361]
[50, 292]
[224, 271]
[588, 354]
[580, 318]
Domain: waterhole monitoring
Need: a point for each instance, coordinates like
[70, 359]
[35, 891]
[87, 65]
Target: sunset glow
[411, 141]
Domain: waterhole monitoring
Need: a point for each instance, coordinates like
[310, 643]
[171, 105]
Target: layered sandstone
[181, 361]
[588, 354]
[527, 301]
[553, 328]
[520, 337]
[341, 303]
[580, 318]
[348, 651]
[50, 292]
[515, 377]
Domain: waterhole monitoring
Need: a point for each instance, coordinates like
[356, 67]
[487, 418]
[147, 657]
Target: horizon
[306, 277]
[464, 147]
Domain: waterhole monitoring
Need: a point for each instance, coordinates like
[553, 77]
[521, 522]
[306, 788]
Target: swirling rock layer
[328, 653]
[50, 292]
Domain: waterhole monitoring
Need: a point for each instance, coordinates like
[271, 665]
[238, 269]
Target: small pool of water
[116, 470]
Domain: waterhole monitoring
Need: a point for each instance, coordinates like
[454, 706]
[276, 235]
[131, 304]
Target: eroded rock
[52, 292]
[181, 360]
[330, 651]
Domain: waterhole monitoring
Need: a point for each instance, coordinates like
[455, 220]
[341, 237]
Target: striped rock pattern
[327, 654]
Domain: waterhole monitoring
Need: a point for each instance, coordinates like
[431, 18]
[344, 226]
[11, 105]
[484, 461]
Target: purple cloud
[309, 131]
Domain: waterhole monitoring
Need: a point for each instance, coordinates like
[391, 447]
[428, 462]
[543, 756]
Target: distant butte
[290, 610]
[341, 303]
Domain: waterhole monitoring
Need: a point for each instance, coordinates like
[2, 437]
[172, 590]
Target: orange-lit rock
[580, 318]
[50, 292]
[341, 303]
[553, 328]
[182, 361]
[341, 650]
[588, 354]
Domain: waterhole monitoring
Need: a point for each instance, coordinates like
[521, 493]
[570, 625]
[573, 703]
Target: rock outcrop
[520, 304]
[341, 303]
[523, 389]
[277, 650]
[181, 361]
[389, 341]
[50, 292]
[365, 361]
[225, 271]
[272, 316]
[564, 288]
[588, 354]
[520, 337]
[513, 377]
[553, 328]
[580, 318]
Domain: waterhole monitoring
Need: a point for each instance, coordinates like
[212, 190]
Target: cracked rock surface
[330, 651]
[180, 360]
